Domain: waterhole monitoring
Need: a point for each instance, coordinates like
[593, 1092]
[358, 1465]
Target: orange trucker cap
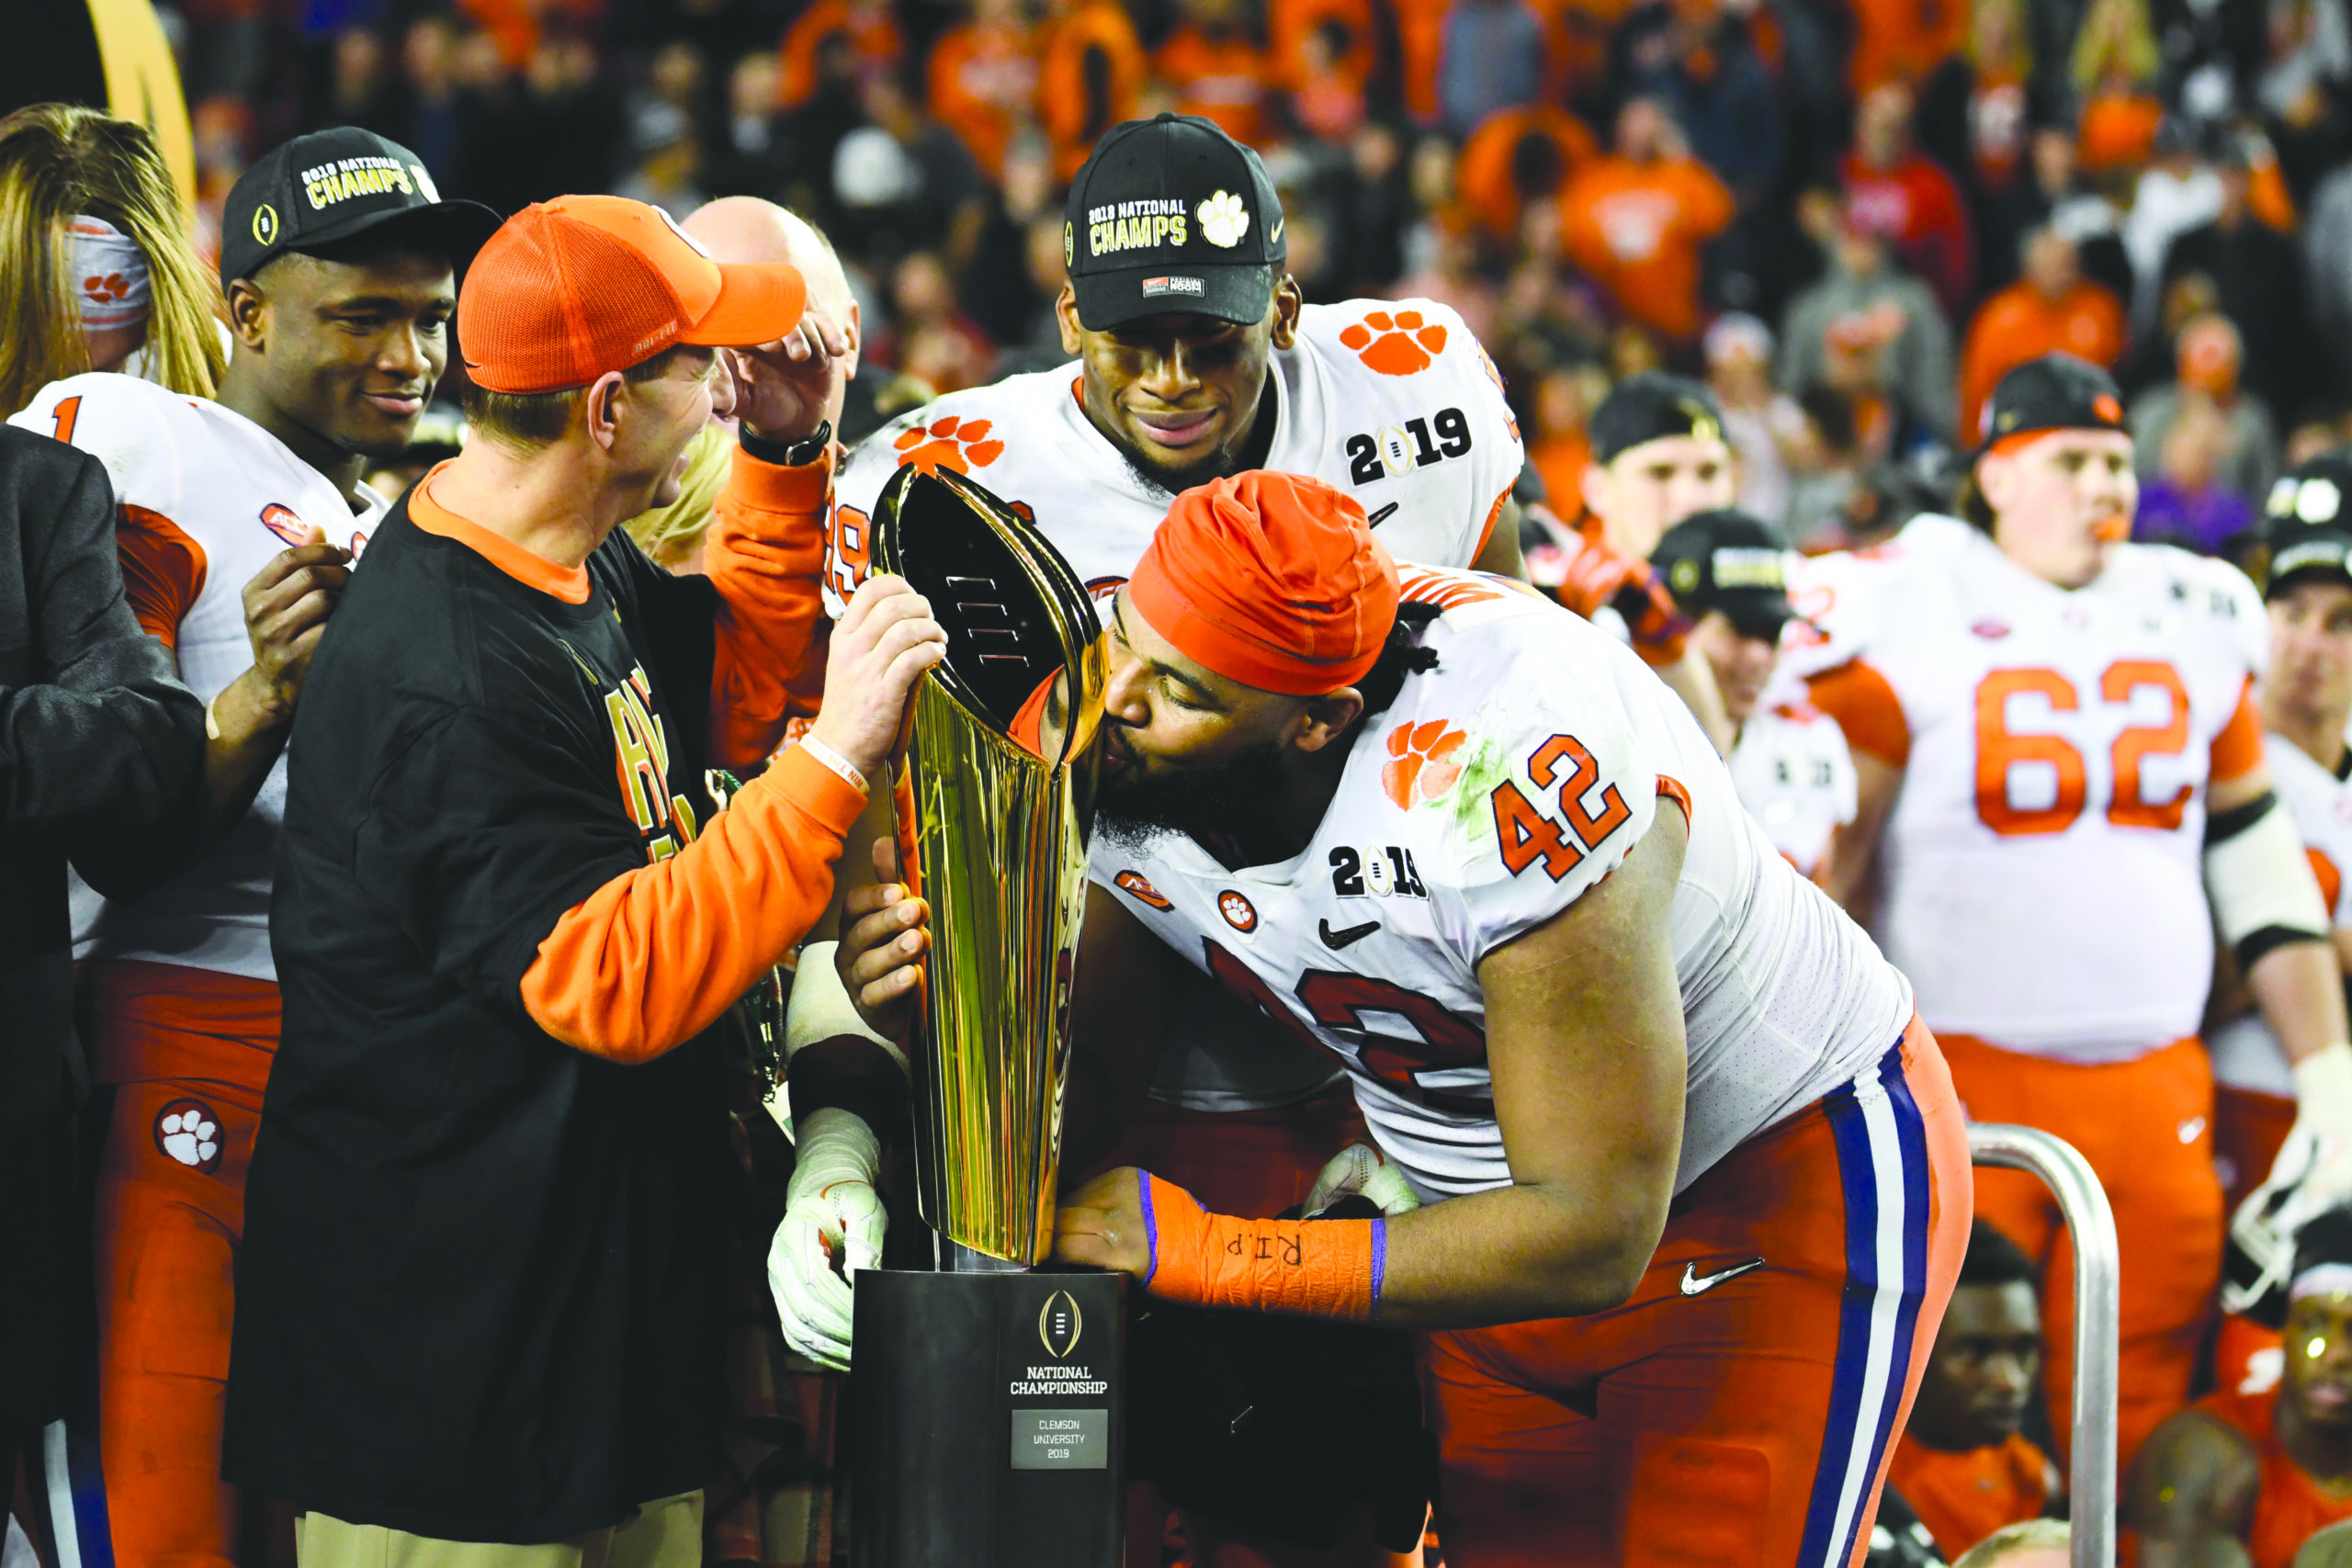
[571, 289]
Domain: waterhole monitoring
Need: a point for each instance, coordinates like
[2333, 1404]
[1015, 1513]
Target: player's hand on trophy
[880, 647]
[832, 1227]
[884, 934]
[1101, 1225]
[783, 389]
[1361, 1171]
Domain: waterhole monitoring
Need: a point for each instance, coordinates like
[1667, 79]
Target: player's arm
[1118, 1028]
[1845, 869]
[2191, 1494]
[1693, 681]
[1878, 736]
[1586, 1049]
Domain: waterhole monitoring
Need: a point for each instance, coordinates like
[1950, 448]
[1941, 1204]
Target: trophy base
[987, 1420]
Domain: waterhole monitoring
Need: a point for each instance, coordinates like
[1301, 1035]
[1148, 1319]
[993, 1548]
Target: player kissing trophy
[994, 835]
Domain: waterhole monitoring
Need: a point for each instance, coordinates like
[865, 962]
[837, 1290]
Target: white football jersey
[1393, 403]
[2042, 866]
[217, 496]
[1496, 790]
[1797, 778]
[2245, 1054]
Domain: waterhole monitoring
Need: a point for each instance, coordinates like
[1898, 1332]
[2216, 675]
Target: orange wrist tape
[1314, 1268]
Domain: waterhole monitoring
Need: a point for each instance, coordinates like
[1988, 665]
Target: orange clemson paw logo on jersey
[1424, 760]
[1395, 346]
[957, 444]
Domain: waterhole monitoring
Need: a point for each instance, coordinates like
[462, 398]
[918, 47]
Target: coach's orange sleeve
[2237, 750]
[651, 958]
[1865, 707]
[766, 554]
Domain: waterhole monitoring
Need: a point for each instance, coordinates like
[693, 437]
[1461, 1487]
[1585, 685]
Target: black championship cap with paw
[1171, 216]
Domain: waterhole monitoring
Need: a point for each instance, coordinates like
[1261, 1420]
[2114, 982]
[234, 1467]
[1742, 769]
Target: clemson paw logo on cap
[1224, 220]
[956, 445]
[1395, 346]
[1424, 760]
[188, 1133]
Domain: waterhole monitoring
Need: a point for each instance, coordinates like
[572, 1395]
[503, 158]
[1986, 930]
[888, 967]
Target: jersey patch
[1395, 346]
[959, 446]
[1238, 912]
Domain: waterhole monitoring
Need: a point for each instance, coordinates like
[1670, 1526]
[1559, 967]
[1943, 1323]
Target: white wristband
[820, 1007]
[2323, 1084]
[835, 761]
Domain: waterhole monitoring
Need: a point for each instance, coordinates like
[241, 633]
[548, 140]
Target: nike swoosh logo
[1377, 518]
[1695, 1283]
[1277, 234]
[1337, 940]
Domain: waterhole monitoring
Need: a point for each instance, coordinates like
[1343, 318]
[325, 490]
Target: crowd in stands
[1851, 218]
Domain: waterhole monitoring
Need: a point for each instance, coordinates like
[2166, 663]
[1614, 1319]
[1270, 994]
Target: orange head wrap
[1270, 579]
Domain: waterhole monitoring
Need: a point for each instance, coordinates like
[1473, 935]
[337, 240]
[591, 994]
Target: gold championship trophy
[988, 1398]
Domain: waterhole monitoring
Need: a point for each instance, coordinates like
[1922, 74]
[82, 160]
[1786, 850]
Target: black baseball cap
[311, 192]
[1652, 406]
[2056, 391]
[1171, 215]
[1728, 560]
[2307, 519]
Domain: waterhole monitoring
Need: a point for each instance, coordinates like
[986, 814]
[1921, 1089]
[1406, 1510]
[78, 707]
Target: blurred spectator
[2208, 356]
[1218, 72]
[1863, 280]
[1758, 420]
[868, 29]
[1962, 1463]
[1978, 109]
[1904, 40]
[2037, 1543]
[1516, 156]
[1825, 470]
[223, 129]
[998, 290]
[1855, 351]
[2050, 309]
[748, 160]
[1089, 79]
[2054, 192]
[226, 55]
[1901, 193]
[1453, 277]
[2187, 504]
[361, 87]
[1697, 58]
[1635, 219]
[1349, 35]
[554, 135]
[2302, 88]
[2257, 280]
[1325, 98]
[1376, 209]
[930, 337]
[906, 181]
[430, 117]
[1493, 60]
[2311, 439]
[2113, 70]
[675, 101]
[2177, 192]
[983, 78]
[1562, 450]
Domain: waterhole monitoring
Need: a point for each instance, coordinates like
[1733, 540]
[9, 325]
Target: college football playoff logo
[1060, 1325]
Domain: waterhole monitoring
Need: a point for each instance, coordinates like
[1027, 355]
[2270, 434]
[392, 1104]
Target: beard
[1220, 464]
[1205, 803]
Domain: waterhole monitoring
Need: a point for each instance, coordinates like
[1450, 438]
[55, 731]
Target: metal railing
[2092, 1224]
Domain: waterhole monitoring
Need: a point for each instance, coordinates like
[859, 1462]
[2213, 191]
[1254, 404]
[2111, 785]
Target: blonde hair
[672, 535]
[61, 160]
[2032, 1535]
[2131, 51]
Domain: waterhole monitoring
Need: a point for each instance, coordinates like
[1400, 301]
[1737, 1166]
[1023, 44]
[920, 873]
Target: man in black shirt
[479, 1300]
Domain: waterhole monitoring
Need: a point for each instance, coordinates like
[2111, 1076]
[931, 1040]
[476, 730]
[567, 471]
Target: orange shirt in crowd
[983, 78]
[1561, 460]
[1636, 228]
[1420, 40]
[2118, 130]
[2290, 1507]
[1482, 177]
[873, 34]
[1223, 79]
[1288, 23]
[1575, 43]
[1963, 1497]
[2018, 325]
[1074, 119]
[1905, 39]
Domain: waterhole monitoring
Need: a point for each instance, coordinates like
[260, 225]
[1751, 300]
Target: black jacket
[97, 736]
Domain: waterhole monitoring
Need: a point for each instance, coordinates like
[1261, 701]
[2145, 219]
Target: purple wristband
[1151, 1227]
[1379, 1263]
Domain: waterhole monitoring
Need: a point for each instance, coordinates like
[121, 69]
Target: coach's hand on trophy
[782, 389]
[880, 647]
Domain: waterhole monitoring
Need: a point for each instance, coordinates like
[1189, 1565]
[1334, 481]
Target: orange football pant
[1740, 1409]
[2146, 1128]
[171, 1214]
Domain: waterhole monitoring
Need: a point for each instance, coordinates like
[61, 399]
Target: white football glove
[2324, 1125]
[829, 1211]
[1361, 1171]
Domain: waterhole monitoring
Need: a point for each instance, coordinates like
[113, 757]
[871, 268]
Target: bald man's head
[746, 228]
